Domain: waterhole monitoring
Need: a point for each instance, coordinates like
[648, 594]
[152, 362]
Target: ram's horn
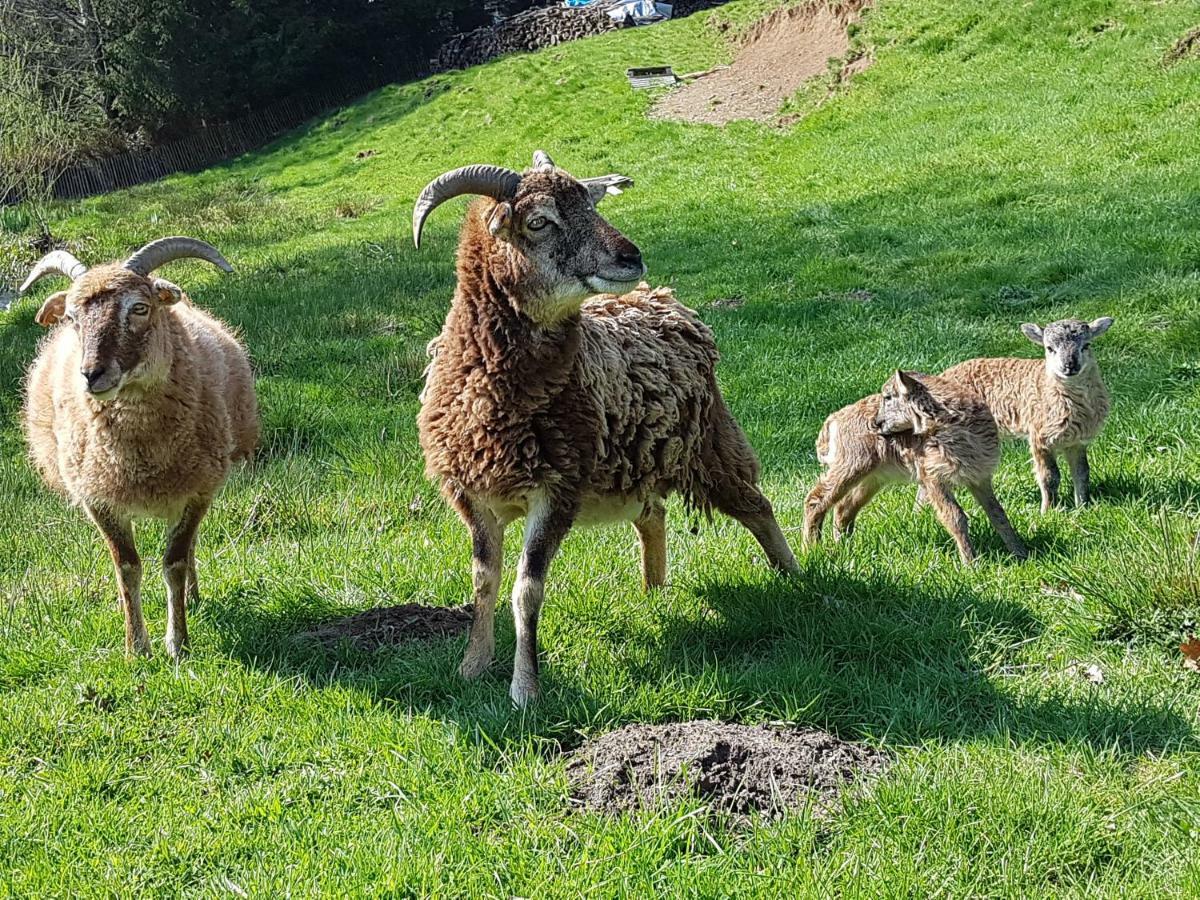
[542, 160]
[59, 261]
[496, 182]
[164, 250]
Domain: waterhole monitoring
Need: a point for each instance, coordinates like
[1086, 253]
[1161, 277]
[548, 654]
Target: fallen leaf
[1090, 672]
[1191, 653]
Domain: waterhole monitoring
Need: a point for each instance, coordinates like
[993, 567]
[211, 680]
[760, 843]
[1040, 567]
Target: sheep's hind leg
[487, 561]
[546, 525]
[118, 532]
[178, 570]
[1080, 473]
[651, 528]
[846, 513]
[747, 505]
[827, 493]
[985, 495]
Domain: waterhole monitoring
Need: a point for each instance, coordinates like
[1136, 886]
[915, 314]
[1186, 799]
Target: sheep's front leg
[179, 574]
[1045, 467]
[487, 561]
[118, 533]
[985, 495]
[546, 524]
[952, 517]
[1081, 476]
[651, 527]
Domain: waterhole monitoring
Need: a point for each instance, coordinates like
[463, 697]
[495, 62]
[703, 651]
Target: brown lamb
[1059, 404]
[542, 405]
[137, 406]
[920, 428]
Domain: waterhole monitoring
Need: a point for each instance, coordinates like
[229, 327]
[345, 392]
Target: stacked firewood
[530, 30]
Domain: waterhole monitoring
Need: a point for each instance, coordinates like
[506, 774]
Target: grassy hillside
[999, 163]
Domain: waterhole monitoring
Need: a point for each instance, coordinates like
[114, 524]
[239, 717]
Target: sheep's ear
[167, 292]
[1032, 332]
[1100, 325]
[906, 382]
[601, 187]
[52, 310]
[500, 221]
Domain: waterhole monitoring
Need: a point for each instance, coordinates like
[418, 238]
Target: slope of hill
[998, 163]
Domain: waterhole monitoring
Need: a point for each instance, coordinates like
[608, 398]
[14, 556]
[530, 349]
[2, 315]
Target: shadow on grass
[861, 655]
[1176, 492]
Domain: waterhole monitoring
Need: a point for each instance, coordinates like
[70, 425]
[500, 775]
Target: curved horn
[542, 160]
[496, 182]
[165, 250]
[58, 261]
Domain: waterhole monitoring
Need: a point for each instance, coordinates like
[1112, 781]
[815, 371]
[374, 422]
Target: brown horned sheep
[137, 406]
[922, 429]
[542, 403]
[1059, 404]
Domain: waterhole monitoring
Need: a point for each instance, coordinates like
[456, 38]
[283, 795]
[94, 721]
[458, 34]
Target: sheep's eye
[140, 309]
[537, 223]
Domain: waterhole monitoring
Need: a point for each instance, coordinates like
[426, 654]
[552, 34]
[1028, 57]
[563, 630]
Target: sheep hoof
[475, 664]
[177, 650]
[524, 690]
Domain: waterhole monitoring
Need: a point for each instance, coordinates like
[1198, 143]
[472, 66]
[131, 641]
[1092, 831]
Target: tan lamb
[919, 428]
[544, 404]
[1059, 404]
[137, 406]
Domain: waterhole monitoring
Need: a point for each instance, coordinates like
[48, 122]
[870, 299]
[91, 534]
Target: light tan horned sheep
[922, 429]
[137, 406]
[542, 405]
[1058, 404]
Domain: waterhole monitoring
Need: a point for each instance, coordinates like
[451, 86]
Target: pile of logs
[530, 30]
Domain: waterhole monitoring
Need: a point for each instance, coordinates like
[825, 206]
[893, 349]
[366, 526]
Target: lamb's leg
[1080, 472]
[487, 561]
[830, 488]
[118, 532]
[651, 528]
[847, 511]
[178, 569]
[546, 524]
[1046, 469]
[985, 495]
[952, 517]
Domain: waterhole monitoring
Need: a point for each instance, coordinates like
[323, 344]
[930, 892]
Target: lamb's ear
[500, 220]
[1032, 332]
[52, 310]
[907, 382]
[167, 292]
[1100, 325]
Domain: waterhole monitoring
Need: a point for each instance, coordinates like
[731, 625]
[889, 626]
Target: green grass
[999, 163]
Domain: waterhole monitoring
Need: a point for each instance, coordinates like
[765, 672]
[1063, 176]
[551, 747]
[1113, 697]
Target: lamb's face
[112, 312]
[562, 250]
[905, 406]
[1067, 345]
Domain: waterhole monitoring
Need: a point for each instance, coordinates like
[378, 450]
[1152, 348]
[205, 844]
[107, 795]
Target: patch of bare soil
[735, 768]
[776, 58]
[1188, 45]
[387, 626]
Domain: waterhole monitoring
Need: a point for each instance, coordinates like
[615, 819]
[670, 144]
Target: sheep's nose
[91, 376]
[629, 255]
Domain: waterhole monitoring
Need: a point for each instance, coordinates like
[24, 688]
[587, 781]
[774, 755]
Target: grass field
[999, 163]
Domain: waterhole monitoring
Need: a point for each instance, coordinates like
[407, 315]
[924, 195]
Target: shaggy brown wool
[541, 403]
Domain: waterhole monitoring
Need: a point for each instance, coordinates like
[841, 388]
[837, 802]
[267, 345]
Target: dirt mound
[387, 626]
[777, 56]
[736, 768]
[1188, 45]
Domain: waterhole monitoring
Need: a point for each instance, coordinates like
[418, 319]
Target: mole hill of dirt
[777, 56]
[738, 769]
